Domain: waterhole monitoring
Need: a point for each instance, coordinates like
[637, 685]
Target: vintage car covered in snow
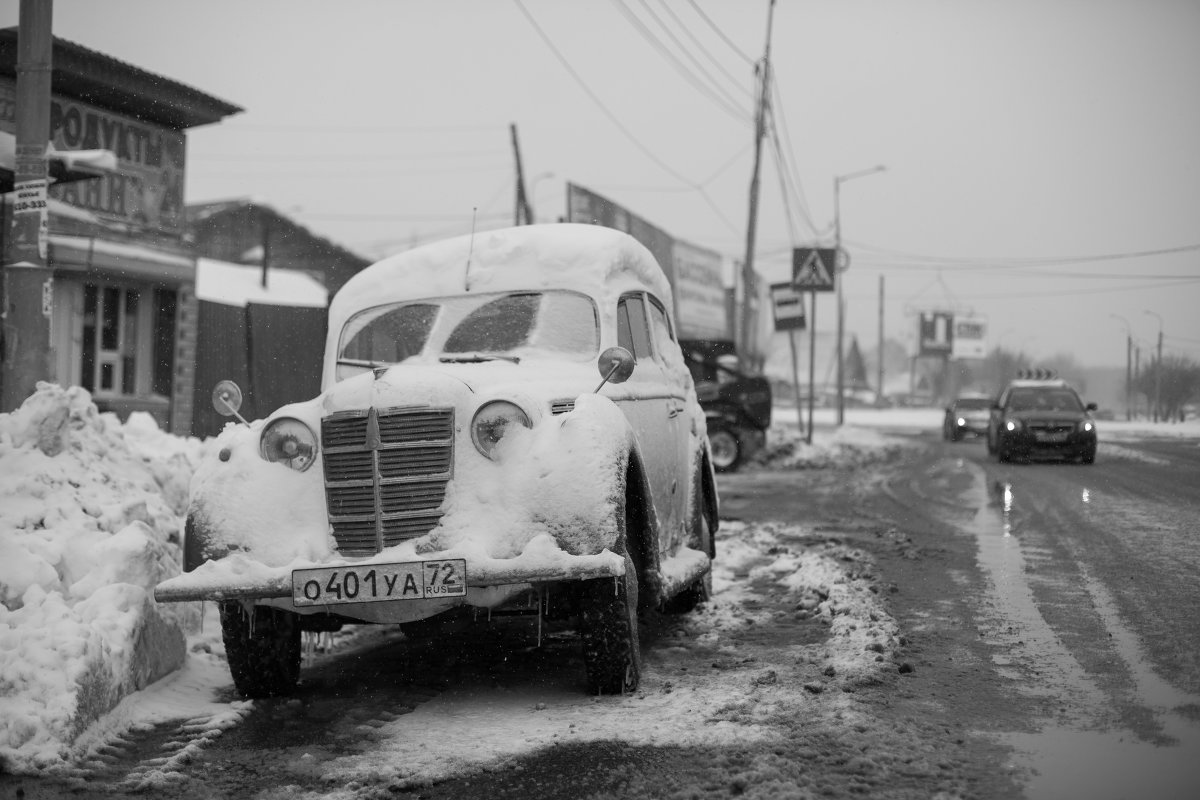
[505, 418]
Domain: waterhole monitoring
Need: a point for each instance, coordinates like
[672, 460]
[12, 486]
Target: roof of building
[199, 213]
[93, 77]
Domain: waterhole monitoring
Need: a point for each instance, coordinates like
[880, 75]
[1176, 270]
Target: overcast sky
[1042, 156]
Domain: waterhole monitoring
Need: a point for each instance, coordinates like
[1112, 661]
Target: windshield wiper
[476, 358]
[359, 362]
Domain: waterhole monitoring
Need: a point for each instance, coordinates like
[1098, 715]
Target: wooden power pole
[760, 125]
[28, 286]
[522, 213]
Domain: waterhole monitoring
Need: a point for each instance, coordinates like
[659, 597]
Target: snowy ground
[90, 519]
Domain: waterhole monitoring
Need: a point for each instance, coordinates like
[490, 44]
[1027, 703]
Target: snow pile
[90, 514]
[848, 446]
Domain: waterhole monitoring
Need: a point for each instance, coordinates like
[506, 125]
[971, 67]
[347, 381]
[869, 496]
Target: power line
[721, 33]
[1013, 262]
[708, 54]
[713, 85]
[617, 122]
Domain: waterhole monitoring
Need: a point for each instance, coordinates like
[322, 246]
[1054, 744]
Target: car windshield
[972, 403]
[1044, 400]
[472, 327]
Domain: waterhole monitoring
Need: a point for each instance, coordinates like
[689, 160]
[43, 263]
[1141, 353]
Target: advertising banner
[695, 273]
[935, 333]
[699, 293]
[970, 338]
[147, 187]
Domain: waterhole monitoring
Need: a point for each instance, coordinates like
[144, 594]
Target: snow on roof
[239, 285]
[592, 259]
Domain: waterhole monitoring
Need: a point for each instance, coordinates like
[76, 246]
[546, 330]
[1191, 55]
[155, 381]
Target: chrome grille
[385, 474]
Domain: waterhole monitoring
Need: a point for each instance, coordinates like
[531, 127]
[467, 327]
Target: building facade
[124, 322]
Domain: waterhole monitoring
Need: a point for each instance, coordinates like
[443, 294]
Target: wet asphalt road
[1091, 574]
[1050, 611]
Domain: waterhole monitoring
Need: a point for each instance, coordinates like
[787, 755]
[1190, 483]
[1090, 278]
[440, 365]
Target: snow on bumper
[239, 577]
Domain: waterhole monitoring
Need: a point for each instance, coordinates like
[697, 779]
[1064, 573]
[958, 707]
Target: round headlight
[1011, 425]
[290, 442]
[1087, 426]
[492, 421]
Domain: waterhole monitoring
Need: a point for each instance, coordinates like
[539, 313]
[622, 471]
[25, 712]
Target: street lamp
[1128, 362]
[838, 180]
[1158, 366]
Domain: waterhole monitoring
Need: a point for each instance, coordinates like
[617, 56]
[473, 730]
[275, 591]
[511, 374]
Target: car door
[649, 404]
[676, 375]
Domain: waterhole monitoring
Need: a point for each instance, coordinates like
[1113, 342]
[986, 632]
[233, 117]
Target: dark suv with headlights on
[1036, 418]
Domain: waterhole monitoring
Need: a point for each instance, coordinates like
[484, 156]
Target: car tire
[1003, 454]
[263, 650]
[726, 448]
[608, 628]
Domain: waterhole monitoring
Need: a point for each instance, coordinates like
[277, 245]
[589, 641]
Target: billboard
[147, 187]
[695, 273]
[935, 333]
[969, 339]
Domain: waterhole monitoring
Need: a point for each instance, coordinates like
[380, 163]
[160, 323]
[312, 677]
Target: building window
[122, 340]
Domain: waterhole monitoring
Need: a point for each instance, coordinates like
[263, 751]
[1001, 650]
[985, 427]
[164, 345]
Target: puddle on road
[1082, 753]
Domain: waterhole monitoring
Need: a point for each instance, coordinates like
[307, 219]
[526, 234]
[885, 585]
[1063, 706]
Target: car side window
[664, 337]
[633, 333]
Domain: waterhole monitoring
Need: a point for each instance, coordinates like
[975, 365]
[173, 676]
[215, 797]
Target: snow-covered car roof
[601, 262]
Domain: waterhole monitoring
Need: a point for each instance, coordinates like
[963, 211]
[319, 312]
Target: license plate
[373, 583]
[1050, 438]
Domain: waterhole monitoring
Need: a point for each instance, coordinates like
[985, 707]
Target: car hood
[459, 385]
[1048, 416]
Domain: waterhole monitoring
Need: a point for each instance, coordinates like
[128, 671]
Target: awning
[63, 166]
[89, 254]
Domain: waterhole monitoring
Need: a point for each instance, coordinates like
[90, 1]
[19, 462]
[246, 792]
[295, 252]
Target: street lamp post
[1128, 362]
[840, 267]
[1158, 366]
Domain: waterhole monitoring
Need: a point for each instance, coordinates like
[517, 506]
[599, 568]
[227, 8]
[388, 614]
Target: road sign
[787, 302]
[813, 268]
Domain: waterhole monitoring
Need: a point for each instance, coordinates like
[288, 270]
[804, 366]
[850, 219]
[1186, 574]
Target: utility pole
[879, 366]
[760, 126]
[28, 285]
[522, 213]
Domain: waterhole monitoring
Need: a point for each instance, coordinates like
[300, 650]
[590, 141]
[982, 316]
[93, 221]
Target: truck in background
[735, 396]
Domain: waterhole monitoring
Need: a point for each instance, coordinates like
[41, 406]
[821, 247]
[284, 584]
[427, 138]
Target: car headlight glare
[289, 442]
[1012, 425]
[1087, 426]
[961, 422]
[492, 421]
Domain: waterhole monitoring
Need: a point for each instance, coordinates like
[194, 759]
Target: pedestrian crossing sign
[813, 268]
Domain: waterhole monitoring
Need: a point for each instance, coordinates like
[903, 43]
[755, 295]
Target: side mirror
[615, 365]
[227, 399]
[1091, 407]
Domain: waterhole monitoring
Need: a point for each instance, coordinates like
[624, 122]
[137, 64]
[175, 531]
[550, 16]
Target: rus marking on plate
[373, 583]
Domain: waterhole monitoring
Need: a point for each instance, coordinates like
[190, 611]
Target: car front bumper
[239, 578]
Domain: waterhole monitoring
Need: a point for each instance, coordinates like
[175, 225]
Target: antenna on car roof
[470, 250]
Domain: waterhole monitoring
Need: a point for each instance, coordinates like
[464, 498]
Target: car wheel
[263, 649]
[608, 627]
[726, 449]
[698, 591]
[1003, 454]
